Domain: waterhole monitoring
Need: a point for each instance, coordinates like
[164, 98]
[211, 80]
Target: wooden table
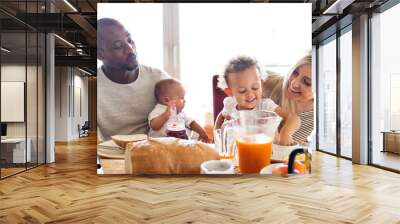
[112, 160]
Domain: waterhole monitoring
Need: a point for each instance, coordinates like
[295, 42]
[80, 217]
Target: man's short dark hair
[101, 24]
[161, 88]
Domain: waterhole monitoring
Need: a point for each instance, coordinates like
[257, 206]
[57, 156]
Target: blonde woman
[295, 95]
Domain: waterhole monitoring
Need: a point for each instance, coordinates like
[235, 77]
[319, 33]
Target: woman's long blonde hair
[285, 102]
[272, 87]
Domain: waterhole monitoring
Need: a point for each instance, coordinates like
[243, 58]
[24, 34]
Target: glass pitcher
[252, 133]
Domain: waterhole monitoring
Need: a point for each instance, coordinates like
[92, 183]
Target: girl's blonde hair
[286, 103]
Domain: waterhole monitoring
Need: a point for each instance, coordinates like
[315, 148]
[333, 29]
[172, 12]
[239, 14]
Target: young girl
[242, 76]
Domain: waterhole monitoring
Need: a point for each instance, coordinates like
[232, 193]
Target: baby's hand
[170, 108]
[204, 137]
[171, 104]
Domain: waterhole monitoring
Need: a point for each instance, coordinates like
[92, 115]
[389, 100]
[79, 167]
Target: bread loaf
[167, 156]
[122, 140]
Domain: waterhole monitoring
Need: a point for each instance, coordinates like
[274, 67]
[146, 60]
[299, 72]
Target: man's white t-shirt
[157, 111]
[122, 109]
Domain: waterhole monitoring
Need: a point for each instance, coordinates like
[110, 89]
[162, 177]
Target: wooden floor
[10, 171]
[70, 191]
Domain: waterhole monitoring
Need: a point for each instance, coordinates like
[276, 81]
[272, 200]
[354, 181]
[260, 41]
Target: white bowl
[217, 167]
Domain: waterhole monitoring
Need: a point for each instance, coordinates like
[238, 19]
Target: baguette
[167, 156]
[123, 140]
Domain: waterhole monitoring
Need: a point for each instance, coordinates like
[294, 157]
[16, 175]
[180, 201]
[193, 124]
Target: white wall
[70, 83]
[15, 72]
[80, 110]
[61, 103]
[378, 110]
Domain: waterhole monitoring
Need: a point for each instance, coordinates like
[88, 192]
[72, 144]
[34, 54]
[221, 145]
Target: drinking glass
[227, 152]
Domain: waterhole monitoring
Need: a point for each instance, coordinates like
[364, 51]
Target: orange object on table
[209, 131]
[254, 153]
[209, 126]
[300, 167]
[299, 163]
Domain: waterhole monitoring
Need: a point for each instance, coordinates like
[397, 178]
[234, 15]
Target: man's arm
[100, 137]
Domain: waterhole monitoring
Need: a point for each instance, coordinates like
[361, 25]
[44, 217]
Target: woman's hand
[286, 140]
[290, 125]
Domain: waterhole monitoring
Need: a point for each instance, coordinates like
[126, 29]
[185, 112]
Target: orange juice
[254, 152]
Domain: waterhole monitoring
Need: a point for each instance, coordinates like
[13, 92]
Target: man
[125, 93]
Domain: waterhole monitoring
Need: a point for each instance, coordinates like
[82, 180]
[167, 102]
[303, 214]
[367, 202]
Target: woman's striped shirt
[306, 127]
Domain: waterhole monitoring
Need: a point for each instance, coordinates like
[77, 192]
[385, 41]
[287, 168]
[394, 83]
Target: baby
[170, 96]
[242, 79]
